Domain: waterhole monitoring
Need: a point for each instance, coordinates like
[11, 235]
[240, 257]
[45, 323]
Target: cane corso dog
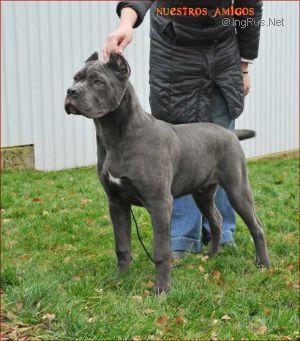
[147, 162]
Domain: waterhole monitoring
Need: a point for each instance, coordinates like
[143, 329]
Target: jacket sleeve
[141, 8]
[248, 28]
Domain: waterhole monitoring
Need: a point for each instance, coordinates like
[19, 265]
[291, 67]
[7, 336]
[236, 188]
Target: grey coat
[188, 55]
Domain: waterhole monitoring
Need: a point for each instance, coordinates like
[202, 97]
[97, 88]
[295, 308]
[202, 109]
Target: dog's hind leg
[206, 204]
[240, 196]
[121, 220]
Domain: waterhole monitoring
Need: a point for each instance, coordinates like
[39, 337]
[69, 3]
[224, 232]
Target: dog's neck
[129, 116]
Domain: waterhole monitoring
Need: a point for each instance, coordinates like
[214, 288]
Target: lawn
[58, 267]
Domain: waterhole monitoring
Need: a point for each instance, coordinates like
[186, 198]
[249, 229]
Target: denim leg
[186, 217]
[221, 116]
[185, 225]
[228, 215]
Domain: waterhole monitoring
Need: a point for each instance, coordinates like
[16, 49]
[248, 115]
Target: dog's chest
[113, 170]
[122, 188]
[114, 180]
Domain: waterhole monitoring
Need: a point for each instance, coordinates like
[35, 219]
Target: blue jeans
[187, 221]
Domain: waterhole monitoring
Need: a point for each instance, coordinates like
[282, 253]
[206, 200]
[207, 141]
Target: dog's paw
[161, 288]
[121, 270]
[262, 263]
[210, 253]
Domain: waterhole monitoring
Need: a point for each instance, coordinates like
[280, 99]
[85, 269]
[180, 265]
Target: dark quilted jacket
[189, 54]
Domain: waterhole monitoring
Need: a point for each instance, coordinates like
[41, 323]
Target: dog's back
[203, 150]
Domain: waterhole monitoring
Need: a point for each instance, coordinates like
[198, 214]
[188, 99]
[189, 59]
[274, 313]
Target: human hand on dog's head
[98, 87]
[118, 40]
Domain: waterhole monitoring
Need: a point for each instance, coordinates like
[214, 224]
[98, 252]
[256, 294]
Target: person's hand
[247, 83]
[117, 41]
[246, 78]
[122, 36]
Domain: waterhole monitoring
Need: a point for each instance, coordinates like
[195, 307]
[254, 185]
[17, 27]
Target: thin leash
[139, 237]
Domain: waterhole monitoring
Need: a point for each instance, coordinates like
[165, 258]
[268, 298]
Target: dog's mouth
[70, 108]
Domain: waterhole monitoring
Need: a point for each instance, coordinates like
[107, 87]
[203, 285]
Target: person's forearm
[128, 17]
[133, 19]
[244, 66]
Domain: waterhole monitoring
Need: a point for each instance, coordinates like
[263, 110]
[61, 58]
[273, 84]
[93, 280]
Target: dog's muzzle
[70, 107]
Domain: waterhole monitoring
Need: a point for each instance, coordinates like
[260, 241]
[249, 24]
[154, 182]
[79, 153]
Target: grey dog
[147, 162]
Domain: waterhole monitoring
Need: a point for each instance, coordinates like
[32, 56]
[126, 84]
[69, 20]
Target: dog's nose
[72, 92]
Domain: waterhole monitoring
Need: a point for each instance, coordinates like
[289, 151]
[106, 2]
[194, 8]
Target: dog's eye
[97, 82]
[76, 79]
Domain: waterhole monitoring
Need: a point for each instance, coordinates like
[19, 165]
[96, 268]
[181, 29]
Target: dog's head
[98, 87]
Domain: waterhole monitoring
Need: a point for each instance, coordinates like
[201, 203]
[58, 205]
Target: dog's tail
[244, 134]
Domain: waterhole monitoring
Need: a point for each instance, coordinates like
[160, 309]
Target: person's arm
[248, 28]
[248, 33]
[246, 76]
[131, 15]
[140, 7]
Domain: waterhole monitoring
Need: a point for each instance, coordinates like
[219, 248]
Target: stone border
[18, 157]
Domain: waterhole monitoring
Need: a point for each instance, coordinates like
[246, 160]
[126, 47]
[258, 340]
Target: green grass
[58, 266]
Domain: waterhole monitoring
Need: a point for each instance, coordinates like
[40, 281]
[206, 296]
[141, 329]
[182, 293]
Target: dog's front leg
[101, 151]
[160, 214]
[120, 217]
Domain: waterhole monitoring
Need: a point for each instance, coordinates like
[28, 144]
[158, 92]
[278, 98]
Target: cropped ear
[118, 64]
[93, 57]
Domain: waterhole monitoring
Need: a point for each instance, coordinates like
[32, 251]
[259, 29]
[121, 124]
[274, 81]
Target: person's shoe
[178, 254]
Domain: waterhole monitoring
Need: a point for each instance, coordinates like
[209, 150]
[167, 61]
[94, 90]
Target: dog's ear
[93, 57]
[118, 64]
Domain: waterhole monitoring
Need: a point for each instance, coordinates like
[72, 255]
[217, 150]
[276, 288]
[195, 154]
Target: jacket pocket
[164, 27]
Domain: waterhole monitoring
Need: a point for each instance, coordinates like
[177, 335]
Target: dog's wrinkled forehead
[93, 69]
[116, 67]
